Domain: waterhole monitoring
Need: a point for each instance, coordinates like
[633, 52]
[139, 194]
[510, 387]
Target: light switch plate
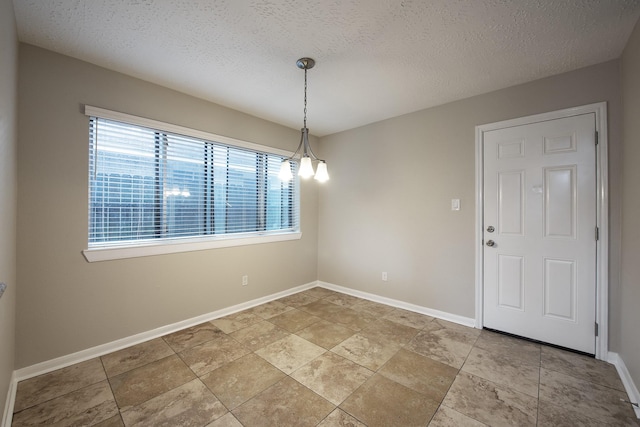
[455, 204]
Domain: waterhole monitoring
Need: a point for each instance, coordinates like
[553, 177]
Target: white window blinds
[148, 184]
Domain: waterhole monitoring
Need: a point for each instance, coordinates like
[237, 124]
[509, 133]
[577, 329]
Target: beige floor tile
[408, 318]
[519, 350]
[57, 383]
[191, 404]
[382, 402]
[297, 300]
[447, 417]
[343, 300]
[294, 320]
[240, 380]
[446, 345]
[270, 309]
[339, 418]
[259, 335]
[491, 403]
[286, 403]
[355, 320]
[193, 336]
[233, 322]
[213, 354]
[321, 308]
[332, 377]
[115, 421]
[86, 406]
[420, 373]
[141, 384]
[583, 367]
[384, 329]
[550, 415]
[589, 399]
[290, 353]
[504, 370]
[135, 356]
[319, 292]
[325, 334]
[374, 308]
[227, 420]
[369, 352]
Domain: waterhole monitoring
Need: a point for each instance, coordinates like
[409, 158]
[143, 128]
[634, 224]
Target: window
[150, 186]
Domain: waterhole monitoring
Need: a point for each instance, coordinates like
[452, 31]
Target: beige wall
[8, 194]
[388, 205]
[66, 304]
[630, 289]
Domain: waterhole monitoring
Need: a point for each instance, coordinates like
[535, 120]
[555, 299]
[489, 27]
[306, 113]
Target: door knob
[491, 243]
[491, 229]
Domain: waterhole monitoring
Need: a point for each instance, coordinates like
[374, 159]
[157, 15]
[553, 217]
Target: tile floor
[321, 358]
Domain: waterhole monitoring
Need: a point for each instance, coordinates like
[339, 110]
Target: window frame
[118, 250]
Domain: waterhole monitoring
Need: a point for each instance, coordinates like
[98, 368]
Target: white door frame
[602, 213]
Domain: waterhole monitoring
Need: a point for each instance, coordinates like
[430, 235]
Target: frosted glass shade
[306, 168]
[285, 171]
[321, 172]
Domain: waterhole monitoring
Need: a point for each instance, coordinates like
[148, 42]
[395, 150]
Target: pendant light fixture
[307, 155]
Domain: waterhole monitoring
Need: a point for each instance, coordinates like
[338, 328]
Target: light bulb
[285, 171]
[306, 168]
[321, 172]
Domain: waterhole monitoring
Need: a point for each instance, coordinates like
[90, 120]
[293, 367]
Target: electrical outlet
[384, 276]
[245, 280]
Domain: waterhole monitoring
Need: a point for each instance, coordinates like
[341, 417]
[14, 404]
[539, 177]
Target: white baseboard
[7, 416]
[466, 321]
[627, 381]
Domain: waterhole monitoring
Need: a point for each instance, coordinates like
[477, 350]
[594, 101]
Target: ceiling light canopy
[307, 156]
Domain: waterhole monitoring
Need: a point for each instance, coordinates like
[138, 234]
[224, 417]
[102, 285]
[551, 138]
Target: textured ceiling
[375, 58]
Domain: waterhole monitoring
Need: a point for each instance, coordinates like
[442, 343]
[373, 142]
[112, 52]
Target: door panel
[540, 195]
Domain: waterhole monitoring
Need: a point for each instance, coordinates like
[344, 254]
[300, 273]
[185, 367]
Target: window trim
[188, 244]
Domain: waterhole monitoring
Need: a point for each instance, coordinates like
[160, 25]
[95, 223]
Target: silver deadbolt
[491, 229]
[491, 243]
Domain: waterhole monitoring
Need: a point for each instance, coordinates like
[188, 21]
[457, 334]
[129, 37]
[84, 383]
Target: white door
[540, 231]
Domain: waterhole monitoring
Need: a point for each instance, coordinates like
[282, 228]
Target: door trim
[602, 213]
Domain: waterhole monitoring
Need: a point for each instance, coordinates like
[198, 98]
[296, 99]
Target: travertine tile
[374, 308]
[332, 377]
[444, 344]
[321, 308]
[355, 320]
[294, 320]
[550, 415]
[212, 354]
[490, 403]
[382, 402]
[518, 350]
[447, 417]
[289, 353]
[57, 383]
[325, 334]
[233, 322]
[343, 300]
[286, 403]
[240, 380]
[591, 400]
[582, 367]
[318, 292]
[386, 330]
[408, 318]
[371, 353]
[297, 300]
[115, 421]
[504, 370]
[339, 418]
[227, 420]
[191, 404]
[141, 384]
[193, 336]
[259, 335]
[135, 356]
[269, 310]
[86, 406]
[420, 373]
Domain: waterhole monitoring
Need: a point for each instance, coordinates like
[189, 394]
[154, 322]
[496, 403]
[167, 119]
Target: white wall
[66, 304]
[630, 289]
[8, 191]
[388, 207]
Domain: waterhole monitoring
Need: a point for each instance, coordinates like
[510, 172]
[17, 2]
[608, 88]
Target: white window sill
[123, 252]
